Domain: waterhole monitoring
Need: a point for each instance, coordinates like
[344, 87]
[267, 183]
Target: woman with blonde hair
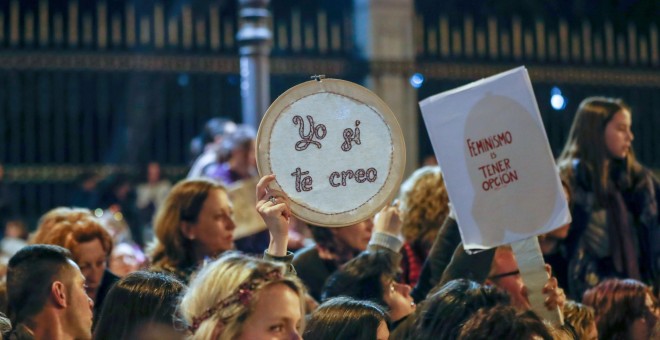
[424, 205]
[582, 319]
[240, 297]
[615, 229]
[192, 225]
[89, 243]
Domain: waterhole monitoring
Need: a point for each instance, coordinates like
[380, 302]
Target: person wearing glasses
[504, 273]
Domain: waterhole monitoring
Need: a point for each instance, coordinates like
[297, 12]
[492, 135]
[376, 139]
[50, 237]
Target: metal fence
[109, 85]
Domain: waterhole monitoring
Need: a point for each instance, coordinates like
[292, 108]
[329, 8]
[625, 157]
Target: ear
[188, 230]
[58, 294]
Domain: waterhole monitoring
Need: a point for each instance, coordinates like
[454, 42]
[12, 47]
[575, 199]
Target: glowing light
[98, 212]
[557, 100]
[417, 80]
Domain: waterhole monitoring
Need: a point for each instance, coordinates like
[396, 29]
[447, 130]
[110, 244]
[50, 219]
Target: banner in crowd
[501, 178]
[336, 149]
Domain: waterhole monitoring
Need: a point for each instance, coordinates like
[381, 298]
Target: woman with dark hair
[504, 322]
[444, 312]
[625, 309]
[345, 318]
[371, 276]
[138, 301]
[615, 231]
[333, 248]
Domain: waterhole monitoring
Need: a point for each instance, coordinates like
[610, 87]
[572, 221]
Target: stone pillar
[254, 38]
[384, 38]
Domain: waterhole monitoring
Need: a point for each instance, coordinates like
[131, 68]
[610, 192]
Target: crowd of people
[217, 263]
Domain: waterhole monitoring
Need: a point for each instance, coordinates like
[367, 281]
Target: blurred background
[93, 91]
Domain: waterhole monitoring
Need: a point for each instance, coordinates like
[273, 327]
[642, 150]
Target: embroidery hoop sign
[336, 150]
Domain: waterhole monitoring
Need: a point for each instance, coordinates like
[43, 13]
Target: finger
[276, 210]
[550, 303]
[262, 186]
[286, 212]
[383, 210]
[552, 284]
[282, 208]
[396, 211]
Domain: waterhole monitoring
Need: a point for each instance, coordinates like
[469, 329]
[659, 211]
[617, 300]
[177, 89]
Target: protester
[625, 309]
[91, 246]
[345, 318]
[371, 276]
[118, 200]
[240, 297]
[582, 320]
[504, 273]
[237, 157]
[205, 147]
[444, 312]
[504, 322]
[125, 259]
[46, 295]
[193, 225]
[333, 248]
[54, 216]
[615, 208]
[137, 302]
[424, 205]
[16, 236]
[150, 195]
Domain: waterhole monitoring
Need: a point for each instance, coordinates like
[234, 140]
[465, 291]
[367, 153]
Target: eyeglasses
[499, 276]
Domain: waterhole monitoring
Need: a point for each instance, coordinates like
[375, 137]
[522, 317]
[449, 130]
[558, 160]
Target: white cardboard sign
[500, 175]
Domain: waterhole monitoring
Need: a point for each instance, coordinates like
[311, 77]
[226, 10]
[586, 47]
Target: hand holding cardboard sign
[543, 293]
[556, 298]
[489, 139]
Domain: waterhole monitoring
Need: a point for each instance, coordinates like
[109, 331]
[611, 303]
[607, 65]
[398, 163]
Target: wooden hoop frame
[305, 211]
